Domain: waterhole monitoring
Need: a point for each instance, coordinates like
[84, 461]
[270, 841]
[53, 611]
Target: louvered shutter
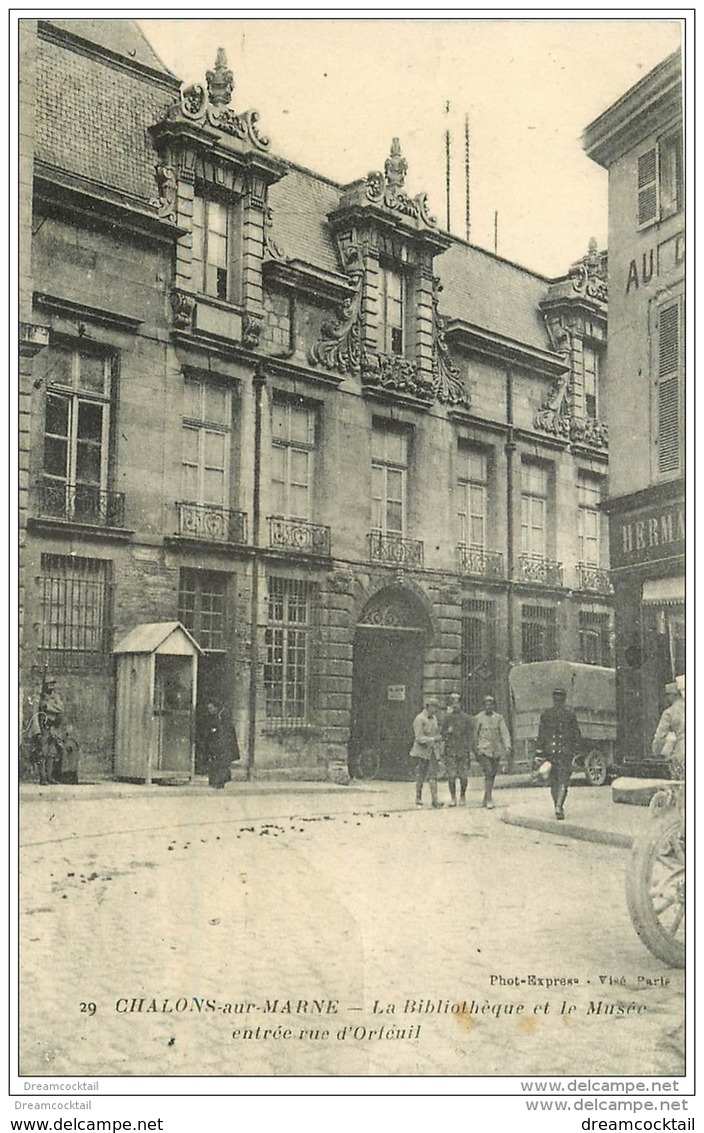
[669, 388]
[648, 204]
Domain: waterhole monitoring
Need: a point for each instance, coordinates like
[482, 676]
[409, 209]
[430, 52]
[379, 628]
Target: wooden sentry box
[155, 706]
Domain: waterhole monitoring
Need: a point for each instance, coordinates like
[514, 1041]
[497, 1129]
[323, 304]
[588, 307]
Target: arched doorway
[387, 682]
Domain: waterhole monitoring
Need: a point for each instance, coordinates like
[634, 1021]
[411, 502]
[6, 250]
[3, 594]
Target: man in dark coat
[219, 746]
[559, 740]
[456, 730]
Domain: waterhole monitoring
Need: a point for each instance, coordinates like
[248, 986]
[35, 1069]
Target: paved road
[319, 911]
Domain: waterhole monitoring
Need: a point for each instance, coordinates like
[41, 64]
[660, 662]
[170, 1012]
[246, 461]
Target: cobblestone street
[295, 915]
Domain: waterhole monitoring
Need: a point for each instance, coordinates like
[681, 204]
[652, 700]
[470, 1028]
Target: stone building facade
[639, 140]
[359, 459]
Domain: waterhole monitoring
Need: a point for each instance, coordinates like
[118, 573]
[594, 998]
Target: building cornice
[300, 276]
[644, 109]
[59, 191]
[478, 340]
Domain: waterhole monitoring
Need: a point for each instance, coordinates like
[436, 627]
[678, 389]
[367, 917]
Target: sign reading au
[396, 692]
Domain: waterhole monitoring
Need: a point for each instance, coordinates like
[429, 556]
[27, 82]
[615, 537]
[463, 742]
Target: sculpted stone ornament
[251, 330]
[272, 248]
[183, 306]
[340, 344]
[386, 188]
[221, 81]
[165, 203]
[556, 417]
[590, 276]
[391, 372]
[210, 107]
[447, 382]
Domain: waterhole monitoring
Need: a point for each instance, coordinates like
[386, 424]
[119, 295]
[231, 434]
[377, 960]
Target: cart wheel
[655, 889]
[596, 768]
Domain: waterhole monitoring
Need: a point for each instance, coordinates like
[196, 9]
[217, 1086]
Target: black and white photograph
[351, 573]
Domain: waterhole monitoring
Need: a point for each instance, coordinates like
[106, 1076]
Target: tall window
[393, 312]
[589, 520]
[75, 611]
[595, 638]
[206, 441]
[539, 633]
[288, 648]
[293, 449]
[591, 366]
[76, 432]
[202, 603]
[534, 508]
[213, 251]
[478, 651]
[472, 497]
[670, 389]
[389, 480]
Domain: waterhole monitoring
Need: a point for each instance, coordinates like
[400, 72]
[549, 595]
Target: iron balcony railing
[299, 535]
[394, 550]
[81, 503]
[475, 560]
[211, 522]
[534, 568]
[593, 578]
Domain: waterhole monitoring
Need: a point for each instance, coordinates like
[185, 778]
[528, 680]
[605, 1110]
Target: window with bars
[539, 633]
[76, 611]
[76, 431]
[534, 507]
[293, 432]
[206, 441]
[478, 652]
[596, 638]
[213, 259]
[589, 519]
[389, 480]
[287, 662]
[670, 391]
[393, 310]
[472, 487]
[202, 606]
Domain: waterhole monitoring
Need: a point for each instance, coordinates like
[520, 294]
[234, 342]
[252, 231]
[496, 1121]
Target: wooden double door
[387, 694]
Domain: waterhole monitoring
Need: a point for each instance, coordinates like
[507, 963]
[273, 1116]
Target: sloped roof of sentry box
[150, 636]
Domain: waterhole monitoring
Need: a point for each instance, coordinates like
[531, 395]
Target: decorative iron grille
[81, 503]
[595, 638]
[477, 561]
[394, 550]
[299, 535]
[534, 568]
[76, 608]
[593, 578]
[478, 655]
[211, 522]
[539, 633]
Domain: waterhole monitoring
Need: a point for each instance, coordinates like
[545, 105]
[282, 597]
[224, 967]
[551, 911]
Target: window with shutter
[648, 203]
[669, 389]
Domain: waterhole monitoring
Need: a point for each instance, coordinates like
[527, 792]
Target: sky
[332, 93]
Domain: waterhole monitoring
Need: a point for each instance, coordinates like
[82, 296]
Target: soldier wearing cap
[559, 740]
[426, 739]
[51, 715]
[668, 741]
[492, 742]
[456, 731]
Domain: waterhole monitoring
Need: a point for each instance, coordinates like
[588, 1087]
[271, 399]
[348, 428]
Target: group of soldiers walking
[451, 739]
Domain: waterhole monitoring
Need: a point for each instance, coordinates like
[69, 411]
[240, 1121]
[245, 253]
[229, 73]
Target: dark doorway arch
[390, 641]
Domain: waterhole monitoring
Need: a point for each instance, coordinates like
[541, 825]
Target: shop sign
[655, 532]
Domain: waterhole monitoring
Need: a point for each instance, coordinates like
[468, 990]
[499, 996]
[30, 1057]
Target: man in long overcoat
[559, 740]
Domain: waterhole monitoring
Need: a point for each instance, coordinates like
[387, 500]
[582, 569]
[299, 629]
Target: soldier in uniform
[456, 730]
[51, 741]
[559, 740]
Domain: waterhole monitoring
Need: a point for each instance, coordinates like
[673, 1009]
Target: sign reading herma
[652, 532]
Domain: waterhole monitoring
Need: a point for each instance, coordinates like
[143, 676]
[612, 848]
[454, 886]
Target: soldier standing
[559, 740]
[51, 715]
